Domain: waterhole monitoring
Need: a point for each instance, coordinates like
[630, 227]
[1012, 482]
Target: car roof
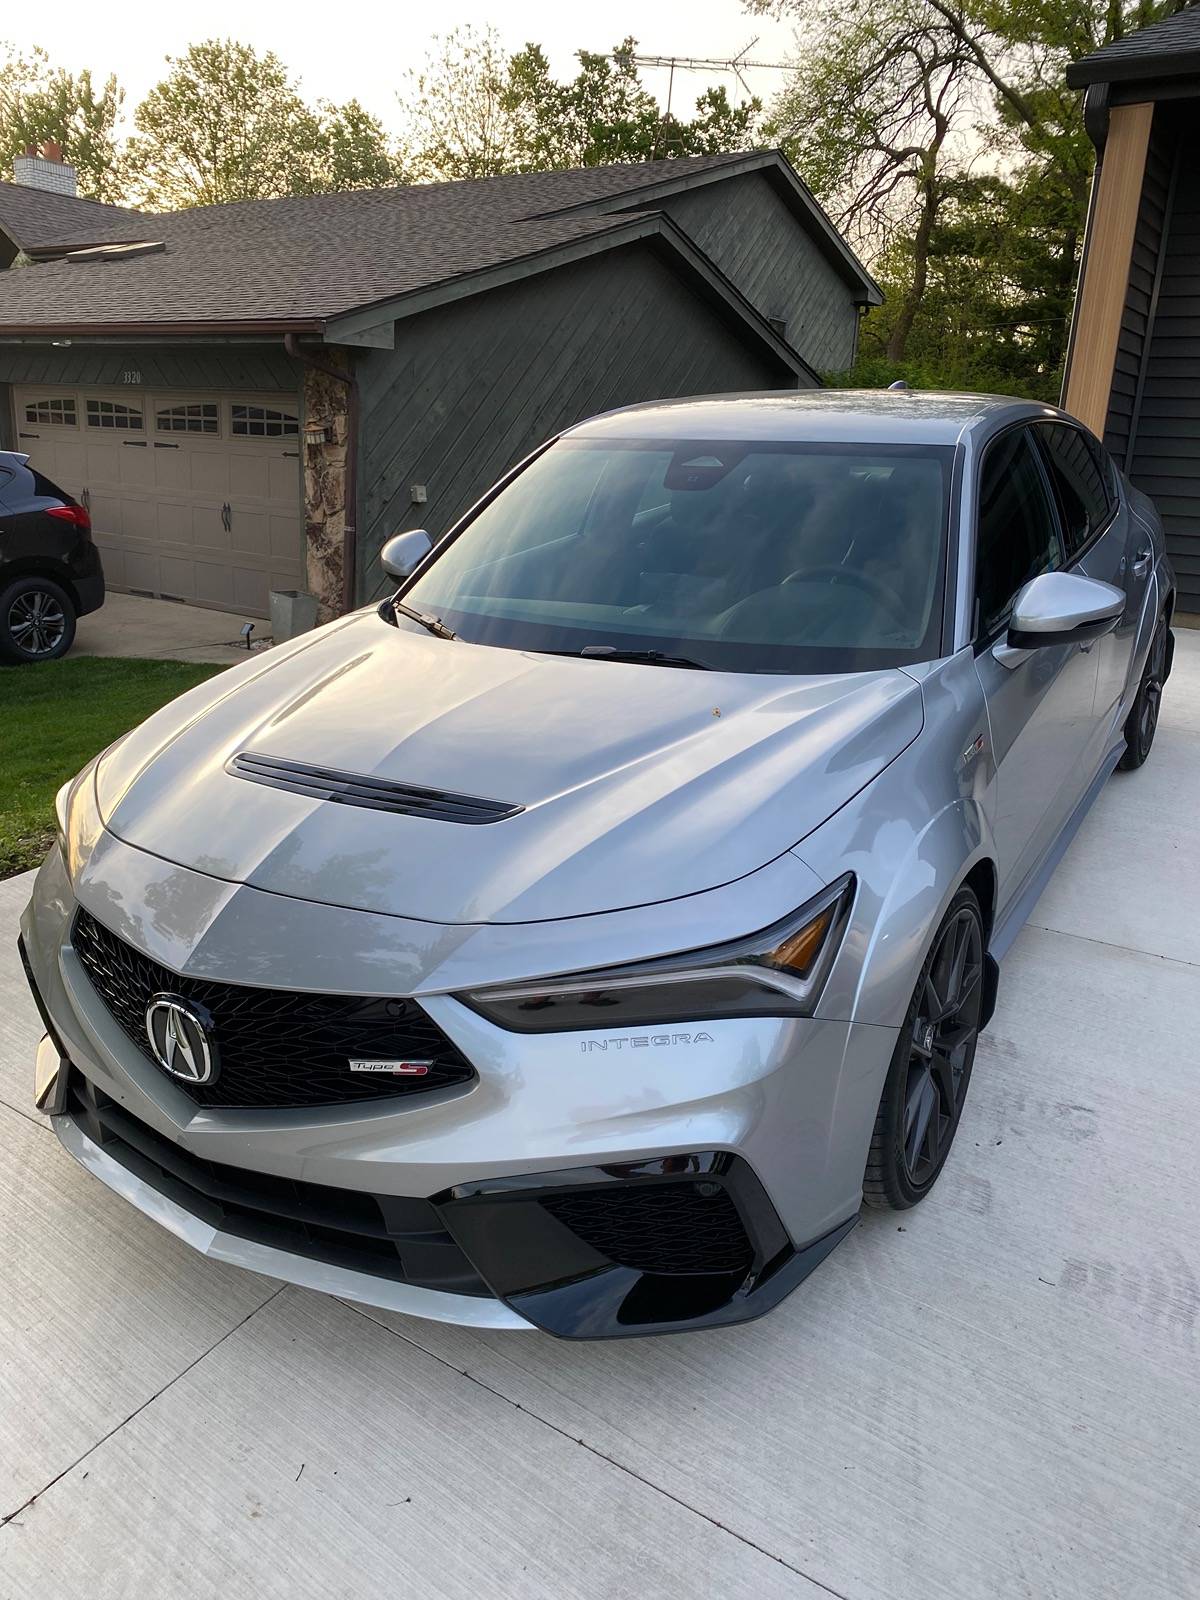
[847, 416]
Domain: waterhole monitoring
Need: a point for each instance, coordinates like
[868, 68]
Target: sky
[354, 50]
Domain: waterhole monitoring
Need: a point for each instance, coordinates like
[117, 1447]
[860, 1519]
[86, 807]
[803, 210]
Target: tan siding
[1102, 293]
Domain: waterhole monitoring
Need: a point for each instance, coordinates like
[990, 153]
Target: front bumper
[770, 1118]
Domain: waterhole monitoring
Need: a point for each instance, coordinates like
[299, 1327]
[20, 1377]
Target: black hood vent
[375, 794]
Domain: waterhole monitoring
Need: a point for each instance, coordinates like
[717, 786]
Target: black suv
[50, 570]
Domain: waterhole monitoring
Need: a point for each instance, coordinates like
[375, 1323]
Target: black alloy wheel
[1142, 722]
[37, 620]
[931, 1066]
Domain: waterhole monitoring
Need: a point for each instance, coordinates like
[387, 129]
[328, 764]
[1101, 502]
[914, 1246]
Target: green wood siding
[164, 366]
[746, 230]
[472, 387]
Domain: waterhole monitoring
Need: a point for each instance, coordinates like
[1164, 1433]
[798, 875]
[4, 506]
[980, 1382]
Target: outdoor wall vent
[116, 252]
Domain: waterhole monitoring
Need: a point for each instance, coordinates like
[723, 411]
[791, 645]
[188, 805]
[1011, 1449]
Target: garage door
[194, 496]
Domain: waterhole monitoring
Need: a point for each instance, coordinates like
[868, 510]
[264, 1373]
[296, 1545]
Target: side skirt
[1017, 914]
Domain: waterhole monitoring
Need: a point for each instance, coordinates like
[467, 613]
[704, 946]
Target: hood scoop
[373, 794]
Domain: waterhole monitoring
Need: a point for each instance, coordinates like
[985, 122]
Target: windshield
[742, 556]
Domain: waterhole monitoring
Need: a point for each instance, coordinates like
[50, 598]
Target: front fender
[910, 838]
[900, 904]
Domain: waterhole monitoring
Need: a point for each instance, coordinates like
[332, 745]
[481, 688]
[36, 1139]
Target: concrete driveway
[162, 630]
[993, 1396]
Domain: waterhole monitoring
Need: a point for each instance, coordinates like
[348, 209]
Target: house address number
[131, 375]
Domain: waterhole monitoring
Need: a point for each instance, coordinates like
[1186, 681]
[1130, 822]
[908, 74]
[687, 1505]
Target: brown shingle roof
[311, 258]
[36, 218]
[305, 259]
[1166, 49]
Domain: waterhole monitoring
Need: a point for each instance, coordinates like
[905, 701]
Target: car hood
[638, 784]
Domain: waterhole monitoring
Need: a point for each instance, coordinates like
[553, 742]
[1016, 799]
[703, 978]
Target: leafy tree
[870, 117]
[476, 112]
[352, 151]
[229, 124]
[460, 125]
[39, 102]
[975, 234]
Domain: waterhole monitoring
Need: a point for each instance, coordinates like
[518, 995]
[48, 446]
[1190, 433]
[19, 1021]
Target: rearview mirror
[404, 552]
[1063, 608]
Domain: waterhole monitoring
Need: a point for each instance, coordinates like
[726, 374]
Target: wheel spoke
[962, 948]
[918, 1113]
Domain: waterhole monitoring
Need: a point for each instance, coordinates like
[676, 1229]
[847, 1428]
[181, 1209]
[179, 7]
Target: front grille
[679, 1229]
[374, 794]
[384, 1235]
[276, 1048]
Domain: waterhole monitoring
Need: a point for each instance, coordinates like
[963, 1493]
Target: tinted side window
[1018, 529]
[47, 490]
[1078, 479]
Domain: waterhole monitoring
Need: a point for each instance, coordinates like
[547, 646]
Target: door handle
[85, 498]
[227, 517]
[1141, 565]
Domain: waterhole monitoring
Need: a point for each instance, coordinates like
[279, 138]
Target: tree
[459, 122]
[870, 118]
[228, 124]
[352, 151]
[977, 243]
[476, 112]
[39, 103]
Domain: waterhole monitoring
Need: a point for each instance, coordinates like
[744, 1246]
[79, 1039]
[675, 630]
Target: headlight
[77, 819]
[776, 973]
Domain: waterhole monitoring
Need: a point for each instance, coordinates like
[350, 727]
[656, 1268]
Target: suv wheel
[37, 620]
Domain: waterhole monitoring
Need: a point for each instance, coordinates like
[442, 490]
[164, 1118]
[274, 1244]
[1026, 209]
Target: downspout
[1095, 122]
[350, 531]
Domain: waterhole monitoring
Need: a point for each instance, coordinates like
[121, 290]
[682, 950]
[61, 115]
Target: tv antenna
[737, 65]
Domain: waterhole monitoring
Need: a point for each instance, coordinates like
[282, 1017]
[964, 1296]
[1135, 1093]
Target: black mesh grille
[671, 1228]
[276, 1048]
[385, 1235]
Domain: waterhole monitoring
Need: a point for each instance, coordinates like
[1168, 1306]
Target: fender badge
[400, 1069]
[973, 749]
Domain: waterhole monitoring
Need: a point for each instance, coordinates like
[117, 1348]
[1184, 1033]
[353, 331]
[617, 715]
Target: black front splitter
[565, 1286]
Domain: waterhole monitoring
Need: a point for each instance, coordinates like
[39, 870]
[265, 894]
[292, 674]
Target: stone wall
[325, 402]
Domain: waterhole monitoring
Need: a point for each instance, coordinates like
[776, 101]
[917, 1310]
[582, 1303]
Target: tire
[930, 1069]
[1142, 722]
[37, 620]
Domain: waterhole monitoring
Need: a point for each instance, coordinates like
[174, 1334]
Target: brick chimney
[45, 169]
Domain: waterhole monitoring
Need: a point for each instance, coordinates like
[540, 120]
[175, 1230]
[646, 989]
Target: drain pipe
[350, 531]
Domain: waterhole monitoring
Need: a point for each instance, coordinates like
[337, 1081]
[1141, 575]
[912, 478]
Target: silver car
[580, 937]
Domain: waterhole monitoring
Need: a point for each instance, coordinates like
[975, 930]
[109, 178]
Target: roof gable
[304, 261]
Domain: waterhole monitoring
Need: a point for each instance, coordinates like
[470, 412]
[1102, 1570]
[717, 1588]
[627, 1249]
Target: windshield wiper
[431, 623]
[653, 658]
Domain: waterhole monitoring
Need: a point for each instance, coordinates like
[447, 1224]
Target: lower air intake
[673, 1229]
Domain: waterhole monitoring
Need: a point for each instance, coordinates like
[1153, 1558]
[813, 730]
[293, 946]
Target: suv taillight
[79, 515]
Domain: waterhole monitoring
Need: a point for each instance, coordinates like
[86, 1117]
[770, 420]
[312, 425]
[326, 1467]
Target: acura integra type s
[580, 937]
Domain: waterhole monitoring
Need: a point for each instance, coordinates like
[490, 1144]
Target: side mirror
[404, 552]
[1063, 608]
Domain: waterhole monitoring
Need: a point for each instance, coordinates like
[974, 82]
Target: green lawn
[54, 718]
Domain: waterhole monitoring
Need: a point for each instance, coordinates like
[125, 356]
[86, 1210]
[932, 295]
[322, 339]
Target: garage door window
[259, 422]
[59, 412]
[112, 414]
[196, 417]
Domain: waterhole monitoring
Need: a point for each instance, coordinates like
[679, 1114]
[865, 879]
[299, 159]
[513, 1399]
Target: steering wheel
[879, 592]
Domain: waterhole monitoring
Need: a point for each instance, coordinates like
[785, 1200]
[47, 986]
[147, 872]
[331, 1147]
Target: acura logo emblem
[180, 1034]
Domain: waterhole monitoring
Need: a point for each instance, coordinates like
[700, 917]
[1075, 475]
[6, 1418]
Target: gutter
[155, 332]
[350, 513]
